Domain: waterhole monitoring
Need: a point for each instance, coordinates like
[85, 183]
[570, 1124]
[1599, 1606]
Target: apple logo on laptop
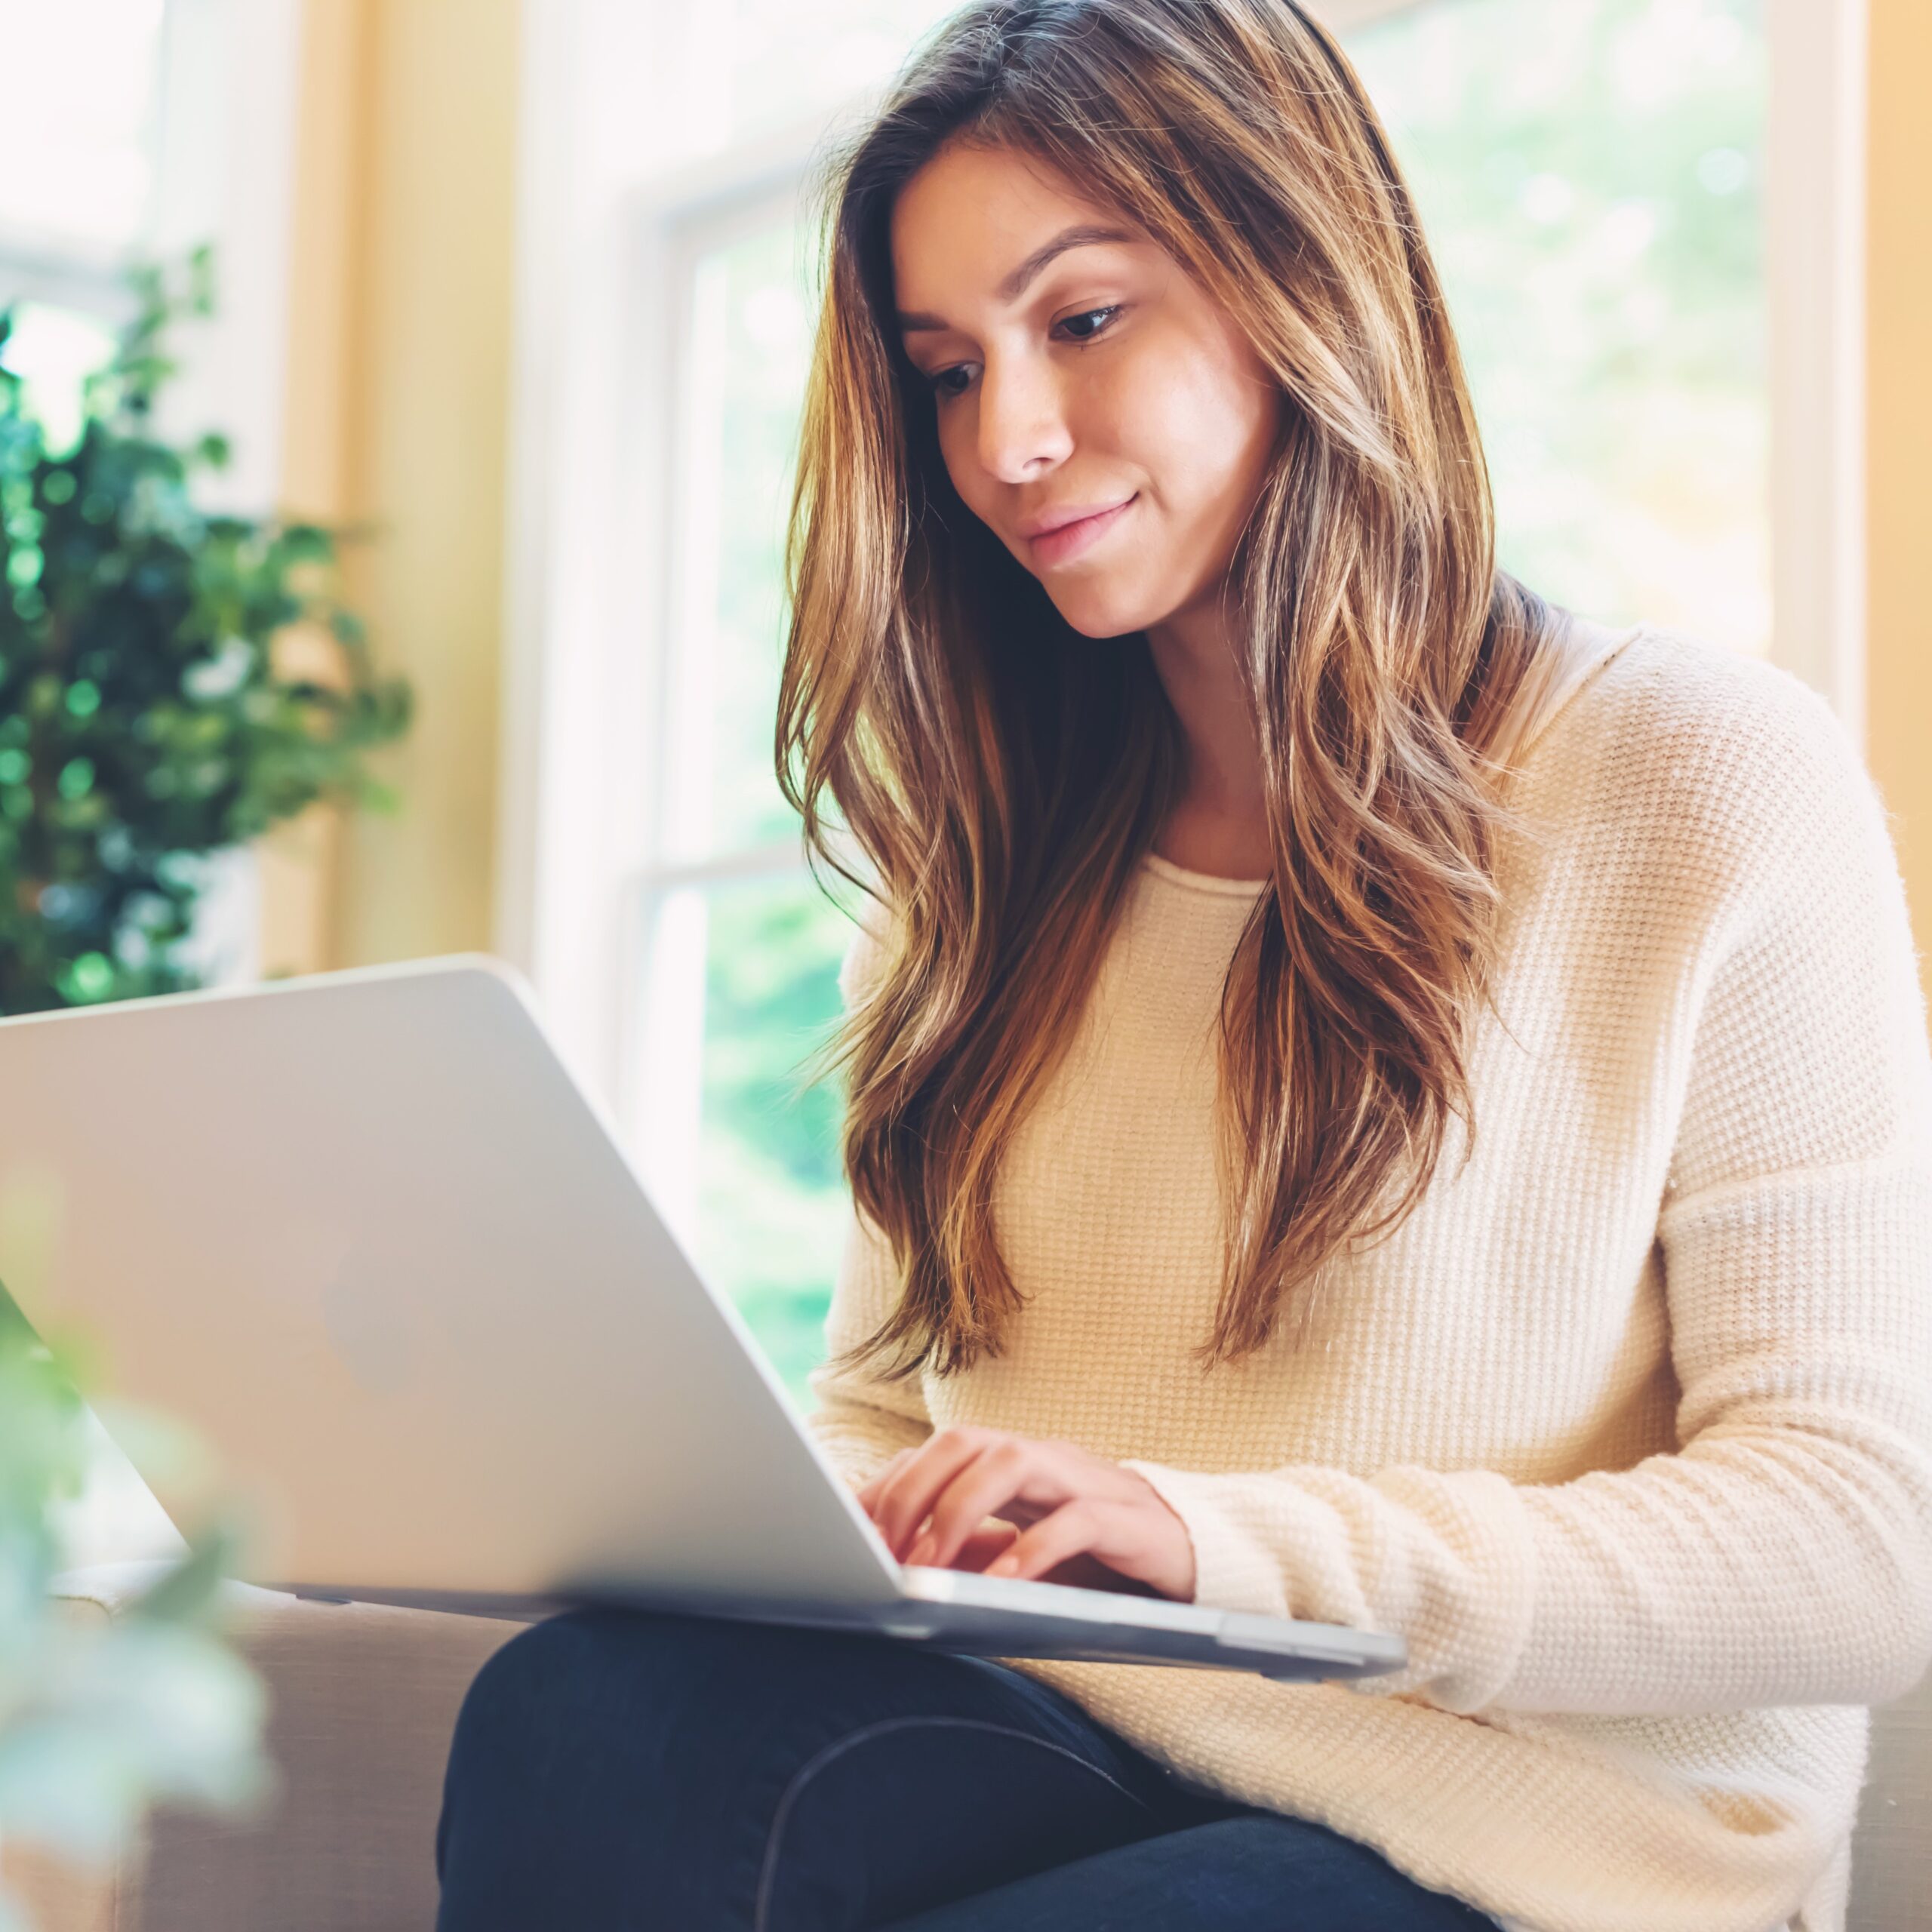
[368, 1323]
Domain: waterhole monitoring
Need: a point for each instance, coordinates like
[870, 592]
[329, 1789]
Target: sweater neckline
[1227, 888]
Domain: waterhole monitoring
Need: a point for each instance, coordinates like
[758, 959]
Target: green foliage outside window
[143, 723]
[772, 1197]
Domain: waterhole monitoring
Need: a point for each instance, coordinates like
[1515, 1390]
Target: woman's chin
[1099, 617]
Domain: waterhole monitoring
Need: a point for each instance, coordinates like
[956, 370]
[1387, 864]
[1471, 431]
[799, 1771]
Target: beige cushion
[363, 1700]
[1891, 1850]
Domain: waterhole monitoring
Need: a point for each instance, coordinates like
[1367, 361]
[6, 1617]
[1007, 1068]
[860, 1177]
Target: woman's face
[1097, 375]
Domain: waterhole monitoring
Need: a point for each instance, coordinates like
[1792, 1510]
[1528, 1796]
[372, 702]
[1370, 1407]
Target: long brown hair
[1002, 774]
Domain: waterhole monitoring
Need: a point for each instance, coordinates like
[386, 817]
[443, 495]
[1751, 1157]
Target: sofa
[363, 1700]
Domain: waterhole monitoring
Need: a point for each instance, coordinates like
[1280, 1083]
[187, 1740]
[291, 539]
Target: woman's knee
[576, 1659]
[633, 1672]
[595, 1713]
[660, 1687]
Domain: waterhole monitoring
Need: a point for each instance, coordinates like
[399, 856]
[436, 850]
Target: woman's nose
[1022, 425]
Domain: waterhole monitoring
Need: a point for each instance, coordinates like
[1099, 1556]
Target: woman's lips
[1070, 539]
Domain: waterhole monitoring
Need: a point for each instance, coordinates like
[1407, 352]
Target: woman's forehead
[995, 222]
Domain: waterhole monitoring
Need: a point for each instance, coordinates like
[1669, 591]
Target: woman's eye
[936, 382]
[1087, 314]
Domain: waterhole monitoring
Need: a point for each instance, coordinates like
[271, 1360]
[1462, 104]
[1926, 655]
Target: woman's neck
[1220, 826]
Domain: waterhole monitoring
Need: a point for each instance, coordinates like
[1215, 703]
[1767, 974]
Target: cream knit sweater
[1627, 1431]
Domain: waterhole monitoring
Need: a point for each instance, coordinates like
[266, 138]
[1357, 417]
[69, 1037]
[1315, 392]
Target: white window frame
[588, 608]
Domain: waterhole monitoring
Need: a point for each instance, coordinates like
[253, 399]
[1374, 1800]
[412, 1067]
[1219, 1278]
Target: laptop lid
[365, 1233]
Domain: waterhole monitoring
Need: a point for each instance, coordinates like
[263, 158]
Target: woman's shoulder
[1651, 684]
[1706, 751]
[1704, 691]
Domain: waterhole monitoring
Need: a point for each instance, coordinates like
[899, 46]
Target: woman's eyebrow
[1082, 235]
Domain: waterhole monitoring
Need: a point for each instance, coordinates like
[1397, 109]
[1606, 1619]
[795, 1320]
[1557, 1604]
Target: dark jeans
[621, 1769]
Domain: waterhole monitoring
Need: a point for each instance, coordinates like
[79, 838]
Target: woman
[1370, 1099]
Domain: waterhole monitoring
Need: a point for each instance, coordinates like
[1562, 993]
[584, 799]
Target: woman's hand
[1072, 1513]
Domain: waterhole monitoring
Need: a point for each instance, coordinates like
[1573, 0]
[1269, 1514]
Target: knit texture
[1627, 1431]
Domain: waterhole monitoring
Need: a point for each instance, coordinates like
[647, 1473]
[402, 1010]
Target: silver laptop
[365, 1234]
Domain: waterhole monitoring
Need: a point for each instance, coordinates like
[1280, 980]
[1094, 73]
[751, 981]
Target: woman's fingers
[1014, 1470]
[907, 1495]
[1073, 1512]
[982, 1545]
[931, 1502]
[868, 1490]
[1076, 1529]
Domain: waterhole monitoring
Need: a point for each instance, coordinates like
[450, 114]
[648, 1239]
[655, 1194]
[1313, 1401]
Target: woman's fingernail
[1003, 1566]
[921, 1552]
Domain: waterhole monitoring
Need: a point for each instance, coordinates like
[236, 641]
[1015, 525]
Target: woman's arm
[864, 1420]
[1783, 1555]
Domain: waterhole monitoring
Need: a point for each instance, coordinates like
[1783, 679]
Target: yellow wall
[1899, 666]
[398, 401]
[397, 409]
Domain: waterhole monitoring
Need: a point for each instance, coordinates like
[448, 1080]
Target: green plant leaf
[141, 712]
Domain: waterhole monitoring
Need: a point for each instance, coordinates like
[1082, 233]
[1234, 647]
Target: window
[744, 1166]
[1596, 203]
[77, 150]
[1648, 274]
[137, 129]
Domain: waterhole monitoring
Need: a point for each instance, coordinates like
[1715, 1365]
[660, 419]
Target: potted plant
[144, 725]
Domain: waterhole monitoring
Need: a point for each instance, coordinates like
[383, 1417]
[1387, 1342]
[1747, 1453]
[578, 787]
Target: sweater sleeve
[863, 1419]
[1783, 1555]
